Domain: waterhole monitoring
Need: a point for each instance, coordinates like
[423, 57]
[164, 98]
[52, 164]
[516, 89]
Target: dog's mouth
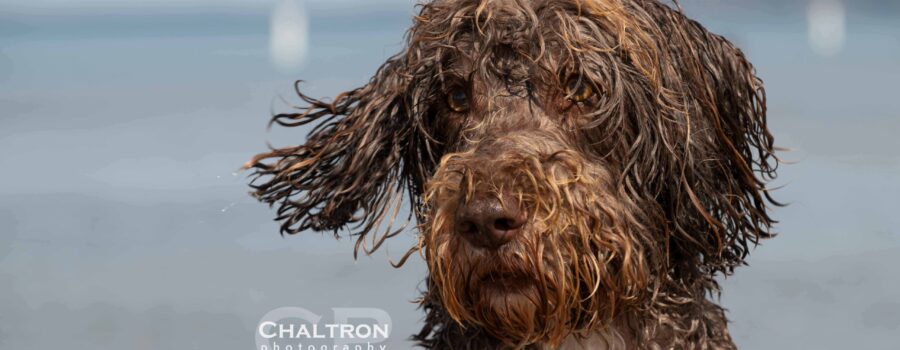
[505, 281]
[499, 279]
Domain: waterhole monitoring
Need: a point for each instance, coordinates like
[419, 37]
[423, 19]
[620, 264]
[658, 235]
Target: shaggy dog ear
[718, 153]
[731, 154]
[348, 172]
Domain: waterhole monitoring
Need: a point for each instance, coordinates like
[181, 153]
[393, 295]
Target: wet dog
[579, 171]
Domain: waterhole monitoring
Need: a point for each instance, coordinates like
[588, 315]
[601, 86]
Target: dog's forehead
[499, 65]
[508, 38]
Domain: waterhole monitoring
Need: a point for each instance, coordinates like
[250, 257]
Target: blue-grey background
[124, 226]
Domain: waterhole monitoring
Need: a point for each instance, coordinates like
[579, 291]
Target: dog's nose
[486, 222]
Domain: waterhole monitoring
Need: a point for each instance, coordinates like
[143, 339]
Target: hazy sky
[57, 7]
[124, 226]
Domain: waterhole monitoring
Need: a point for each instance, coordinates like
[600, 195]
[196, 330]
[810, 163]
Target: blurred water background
[123, 224]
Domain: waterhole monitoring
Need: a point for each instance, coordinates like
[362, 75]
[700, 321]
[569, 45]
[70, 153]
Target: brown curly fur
[637, 197]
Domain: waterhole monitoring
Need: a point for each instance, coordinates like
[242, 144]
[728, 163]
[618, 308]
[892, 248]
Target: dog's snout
[486, 221]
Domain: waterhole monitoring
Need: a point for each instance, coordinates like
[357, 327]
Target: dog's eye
[578, 89]
[458, 99]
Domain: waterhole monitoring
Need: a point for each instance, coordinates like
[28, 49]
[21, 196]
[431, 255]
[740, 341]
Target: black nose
[486, 222]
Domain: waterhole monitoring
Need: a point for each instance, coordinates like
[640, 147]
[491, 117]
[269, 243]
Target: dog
[579, 172]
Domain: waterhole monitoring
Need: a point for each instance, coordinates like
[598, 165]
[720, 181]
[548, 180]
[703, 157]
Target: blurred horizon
[124, 222]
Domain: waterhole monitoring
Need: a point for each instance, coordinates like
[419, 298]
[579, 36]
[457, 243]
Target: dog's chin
[518, 305]
[509, 305]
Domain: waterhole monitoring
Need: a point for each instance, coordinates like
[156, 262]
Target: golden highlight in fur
[583, 253]
[631, 140]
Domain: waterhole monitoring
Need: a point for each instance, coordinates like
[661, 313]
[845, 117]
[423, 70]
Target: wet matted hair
[632, 140]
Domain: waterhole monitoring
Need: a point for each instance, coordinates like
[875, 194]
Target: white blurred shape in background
[827, 26]
[288, 35]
